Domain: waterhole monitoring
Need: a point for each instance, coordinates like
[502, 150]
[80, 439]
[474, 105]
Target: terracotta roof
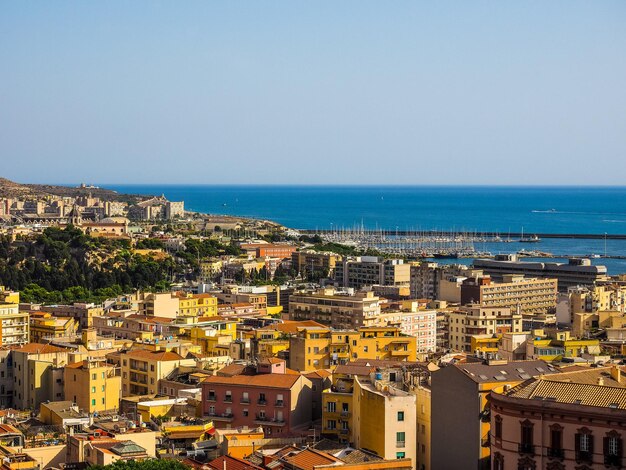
[291, 327]
[308, 459]
[579, 394]
[348, 369]
[231, 370]
[515, 371]
[154, 355]
[318, 374]
[271, 360]
[231, 463]
[38, 348]
[150, 318]
[284, 381]
[591, 376]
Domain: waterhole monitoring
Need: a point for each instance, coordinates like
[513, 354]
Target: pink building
[273, 398]
[569, 421]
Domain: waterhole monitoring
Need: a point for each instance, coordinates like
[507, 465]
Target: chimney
[616, 374]
[600, 380]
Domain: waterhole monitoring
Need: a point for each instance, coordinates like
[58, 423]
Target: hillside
[10, 188]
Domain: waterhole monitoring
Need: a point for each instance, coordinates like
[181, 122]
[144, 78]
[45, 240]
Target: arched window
[612, 448]
[498, 461]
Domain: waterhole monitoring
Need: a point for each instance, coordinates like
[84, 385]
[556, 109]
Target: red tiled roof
[308, 459]
[155, 355]
[38, 348]
[231, 463]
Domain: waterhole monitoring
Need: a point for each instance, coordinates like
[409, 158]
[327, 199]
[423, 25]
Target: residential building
[15, 324]
[314, 348]
[142, 369]
[477, 320]
[38, 374]
[314, 264]
[365, 271]
[45, 326]
[461, 410]
[529, 297]
[566, 421]
[577, 272]
[271, 398]
[385, 417]
[94, 385]
[554, 345]
[334, 308]
[84, 313]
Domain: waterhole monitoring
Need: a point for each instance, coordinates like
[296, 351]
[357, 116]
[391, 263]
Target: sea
[563, 210]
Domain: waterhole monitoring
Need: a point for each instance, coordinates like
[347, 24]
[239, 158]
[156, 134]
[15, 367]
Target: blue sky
[351, 92]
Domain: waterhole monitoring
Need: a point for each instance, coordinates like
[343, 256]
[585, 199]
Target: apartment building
[461, 408]
[567, 421]
[576, 272]
[142, 369]
[45, 326]
[315, 264]
[15, 328]
[314, 347]
[129, 325]
[272, 250]
[365, 271]
[385, 415]
[598, 298]
[271, 398]
[528, 296]
[84, 313]
[38, 374]
[334, 308]
[93, 384]
[475, 320]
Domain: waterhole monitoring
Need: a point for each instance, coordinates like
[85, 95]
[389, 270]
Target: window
[331, 407]
[498, 427]
[245, 398]
[498, 461]
[400, 455]
[103, 375]
[93, 389]
[279, 399]
[229, 396]
[400, 439]
[365, 349]
[344, 407]
[94, 376]
[613, 449]
[400, 415]
[526, 441]
[583, 445]
[74, 377]
[151, 367]
[331, 424]
[103, 388]
[556, 442]
[245, 411]
[262, 399]
[262, 414]
[93, 401]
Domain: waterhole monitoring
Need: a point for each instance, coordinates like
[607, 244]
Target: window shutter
[577, 442]
[619, 447]
[591, 444]
[605, 440]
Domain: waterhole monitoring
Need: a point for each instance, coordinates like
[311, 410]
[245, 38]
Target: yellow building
[93, 385]
[196, 305]
[423, 415]
[320, 347]
[560, 345]
[15, 323]
[338, 410]
[44, 325]
[142, 369]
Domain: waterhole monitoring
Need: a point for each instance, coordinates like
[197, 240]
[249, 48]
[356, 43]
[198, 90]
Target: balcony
[400, 444]
[345, 414]
[399, 352]
[584, 456]
[556, 453]
[228, 399]
[279, 403]
[225, 417]
[262, 401]
[345, 431]
[614, 461]
[267, 421]
[211, 398]
[526, 448]
[245, 401]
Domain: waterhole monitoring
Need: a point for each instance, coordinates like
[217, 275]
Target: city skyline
[356, 93]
